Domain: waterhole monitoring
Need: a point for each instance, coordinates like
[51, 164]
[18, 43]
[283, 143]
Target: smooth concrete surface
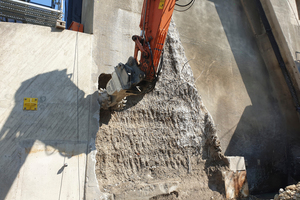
[43, 171]
[287, 107]
[55, 67]
[115, 22]
[242, 86]
[284, 20]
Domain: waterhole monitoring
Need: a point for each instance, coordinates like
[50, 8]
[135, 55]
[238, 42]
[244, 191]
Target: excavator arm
[140, 73]
[155, 21]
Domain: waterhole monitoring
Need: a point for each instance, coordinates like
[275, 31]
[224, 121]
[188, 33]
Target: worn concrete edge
[282, 43]
[92, 191]
[91, 188]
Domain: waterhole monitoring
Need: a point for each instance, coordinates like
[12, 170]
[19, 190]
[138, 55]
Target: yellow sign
[30, 103]
[161, 4]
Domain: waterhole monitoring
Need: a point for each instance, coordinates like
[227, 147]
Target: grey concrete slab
[241, 85]
[283, 17]
[47, 167]
[55, 67]
[236, 163]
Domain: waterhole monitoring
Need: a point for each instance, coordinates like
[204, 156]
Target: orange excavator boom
[140, 73]
[155, 20]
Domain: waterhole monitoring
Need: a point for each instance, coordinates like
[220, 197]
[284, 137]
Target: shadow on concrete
[60, 125]
[297, 61]
[61, 169]
[261, 135]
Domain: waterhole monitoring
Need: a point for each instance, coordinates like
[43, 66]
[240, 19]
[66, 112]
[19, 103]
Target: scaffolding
[26, 12]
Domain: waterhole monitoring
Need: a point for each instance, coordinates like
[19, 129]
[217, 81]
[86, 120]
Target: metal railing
[30, 13]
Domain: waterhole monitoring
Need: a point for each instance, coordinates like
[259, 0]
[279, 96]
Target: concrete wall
[55, 67]
[284, 20]
[234, 66]
[242, 86]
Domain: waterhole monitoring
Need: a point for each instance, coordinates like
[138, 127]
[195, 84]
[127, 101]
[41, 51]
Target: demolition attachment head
[124, 81]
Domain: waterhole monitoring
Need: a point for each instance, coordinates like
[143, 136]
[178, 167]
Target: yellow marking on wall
[30, 103]
[161, 4]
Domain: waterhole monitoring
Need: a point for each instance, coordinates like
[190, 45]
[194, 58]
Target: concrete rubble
[163, 144]
[290, 192]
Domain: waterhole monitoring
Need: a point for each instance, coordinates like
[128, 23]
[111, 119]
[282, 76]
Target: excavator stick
[139, 74]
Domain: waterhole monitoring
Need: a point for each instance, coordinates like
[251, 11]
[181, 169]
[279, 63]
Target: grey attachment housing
[124, 81]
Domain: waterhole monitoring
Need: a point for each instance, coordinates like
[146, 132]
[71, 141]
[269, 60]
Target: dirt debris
[163, 145]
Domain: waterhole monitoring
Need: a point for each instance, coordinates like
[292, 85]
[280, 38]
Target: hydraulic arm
[140, 73]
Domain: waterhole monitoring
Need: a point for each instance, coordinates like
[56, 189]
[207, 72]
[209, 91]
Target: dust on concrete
[163, 145]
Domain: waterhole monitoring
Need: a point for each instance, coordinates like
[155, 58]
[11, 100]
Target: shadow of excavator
[267, 134]
[61, 125]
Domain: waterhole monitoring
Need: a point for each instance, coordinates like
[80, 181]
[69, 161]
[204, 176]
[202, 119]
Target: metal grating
[29, 12]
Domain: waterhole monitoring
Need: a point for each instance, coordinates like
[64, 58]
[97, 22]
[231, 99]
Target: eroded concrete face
[158, 142]
[236, 185]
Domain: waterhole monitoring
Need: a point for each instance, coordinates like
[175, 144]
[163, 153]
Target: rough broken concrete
[159, 144]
